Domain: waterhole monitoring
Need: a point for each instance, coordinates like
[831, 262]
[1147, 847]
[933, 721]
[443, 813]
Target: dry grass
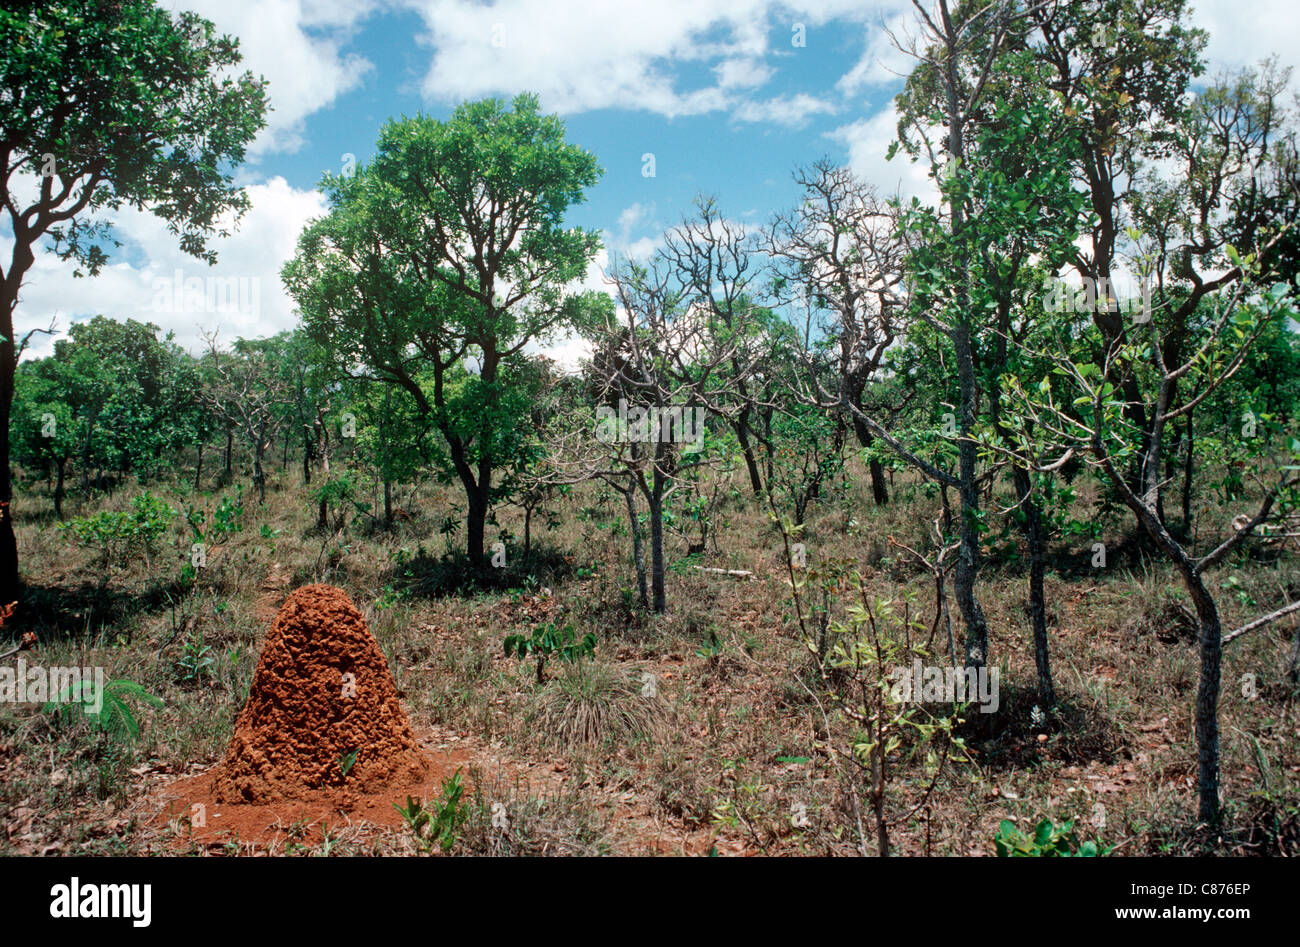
[733, 745]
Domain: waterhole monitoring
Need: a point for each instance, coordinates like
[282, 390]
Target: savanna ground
[728, 756]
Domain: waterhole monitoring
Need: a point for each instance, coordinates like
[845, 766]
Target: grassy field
[699, 731]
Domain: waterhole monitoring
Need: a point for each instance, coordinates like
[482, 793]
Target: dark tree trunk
[8, 542]
[638, 550]
[230, 447]
[198, 468]
[1210, 633]
[476, 525]
[1188, 463]
[1034, 534]
[879, 489]
[657, 554]
[528, 530]
[968, 556]
[388, 503]
[58, 488]
[259, 475]
[747, 449]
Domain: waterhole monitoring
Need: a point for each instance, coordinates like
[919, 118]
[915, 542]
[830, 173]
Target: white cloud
[1242, 35]
[742, 73]
[882, 63]
[246, 298]
[868, 141]
[305, 72]
[591, 54]
[791, 111]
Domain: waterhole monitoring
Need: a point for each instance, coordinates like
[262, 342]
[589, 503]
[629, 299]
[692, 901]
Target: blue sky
[719, 91]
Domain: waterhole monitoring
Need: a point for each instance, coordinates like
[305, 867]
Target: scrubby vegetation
[887, 527]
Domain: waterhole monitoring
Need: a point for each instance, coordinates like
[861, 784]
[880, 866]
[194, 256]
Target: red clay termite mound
[321, 693]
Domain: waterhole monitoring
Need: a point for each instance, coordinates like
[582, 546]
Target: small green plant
[551, 639]
[441, 823]
[195, 660]
[347, 761]
[113, 717]
[1048, 841]
[119, 534]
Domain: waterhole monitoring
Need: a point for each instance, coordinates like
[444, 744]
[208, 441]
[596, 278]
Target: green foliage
[1048, 841]
[403, 277]
[551, 639]
[439, 825]
[114, 716]
[119, 534]
[195, 660]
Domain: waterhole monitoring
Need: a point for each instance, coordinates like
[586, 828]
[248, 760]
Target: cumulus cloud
[305, 71]
[867, 141]
[790, 111]
[1242, 37]
[882, 62]
[590, 54]
[241, 295]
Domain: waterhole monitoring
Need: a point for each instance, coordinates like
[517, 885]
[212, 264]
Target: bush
[119, 534]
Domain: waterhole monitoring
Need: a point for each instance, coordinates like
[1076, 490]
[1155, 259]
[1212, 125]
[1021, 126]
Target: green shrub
[1048, 841]
[118, 535]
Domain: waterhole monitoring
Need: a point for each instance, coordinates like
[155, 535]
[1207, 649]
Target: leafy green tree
[113, 396]
[45, 433]
[441, 262]
[106, 106]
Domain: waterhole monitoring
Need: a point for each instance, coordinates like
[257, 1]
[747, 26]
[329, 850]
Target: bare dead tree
[841, 250]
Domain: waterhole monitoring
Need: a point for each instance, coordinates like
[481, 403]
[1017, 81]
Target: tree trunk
[747, 449]
[259, 475]
[21, 259]
[476, 526]
[968, 556]
[879, 489]
[657, 569]
[230, 447]
[198, 468]
[58, 489]
[1210, 633]
[1188, 463]
[1034, 534]
[388, 503]
[638, 550]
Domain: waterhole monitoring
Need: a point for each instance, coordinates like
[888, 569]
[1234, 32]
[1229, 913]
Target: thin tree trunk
[1034, 534]
[657, 569]
[638, 550]
[1188, 463]
[58, 489]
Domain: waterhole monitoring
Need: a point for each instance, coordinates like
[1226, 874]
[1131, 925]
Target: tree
[840, 251]
[249, 395]
[105, 106]
[661, 364]
[442, 261]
